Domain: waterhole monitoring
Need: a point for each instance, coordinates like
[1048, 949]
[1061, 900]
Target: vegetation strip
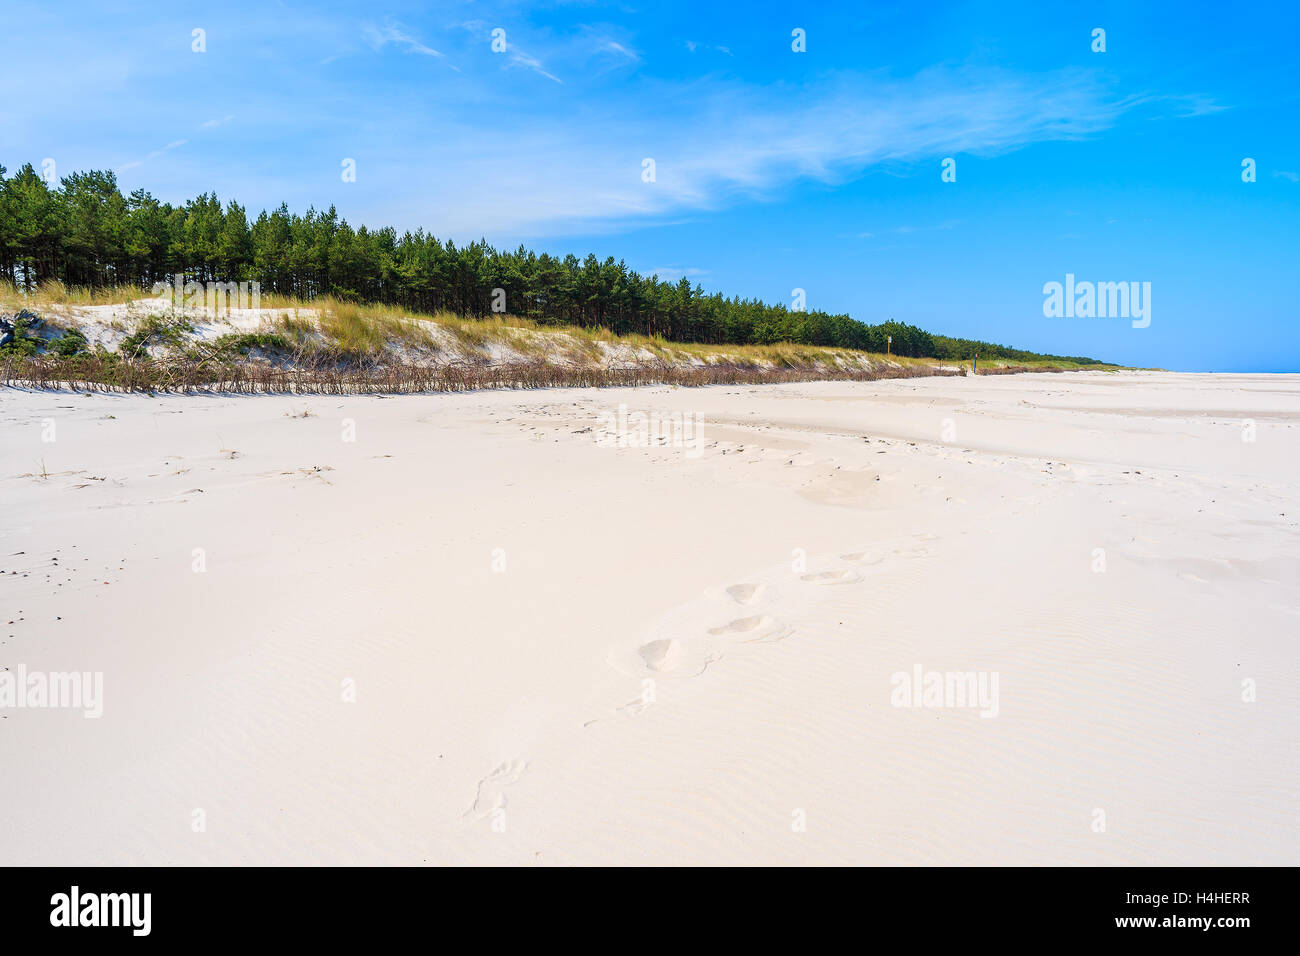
[84, 232]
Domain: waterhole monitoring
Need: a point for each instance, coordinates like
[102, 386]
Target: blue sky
[775, 170]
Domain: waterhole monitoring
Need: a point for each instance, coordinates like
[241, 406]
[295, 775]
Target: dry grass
[55, 293]
[348, 329]
[325, 376]
[298, 330]
[1013, 366]
[326, 328]
[369, 330]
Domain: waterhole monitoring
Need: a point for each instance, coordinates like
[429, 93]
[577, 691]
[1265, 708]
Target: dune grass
[55, 293]
[1001, 366]
[349, 331]
[109, 372]
[369, 330]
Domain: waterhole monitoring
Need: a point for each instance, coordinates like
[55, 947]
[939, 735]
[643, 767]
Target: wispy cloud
[670, 273]
[613, 46]
[520, 58]
[693, 45]
[906, 230]
[394, 33]
[174, 144]
[515, 55]
[909, 230]
[713, 144]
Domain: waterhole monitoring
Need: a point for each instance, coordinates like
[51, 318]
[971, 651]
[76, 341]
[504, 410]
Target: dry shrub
[328, 375]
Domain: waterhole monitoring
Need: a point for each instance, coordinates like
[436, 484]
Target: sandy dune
[478, 633]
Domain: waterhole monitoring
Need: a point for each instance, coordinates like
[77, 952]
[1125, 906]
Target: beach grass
[312, 334]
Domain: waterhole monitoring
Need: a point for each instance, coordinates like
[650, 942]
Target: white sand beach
[460, 628]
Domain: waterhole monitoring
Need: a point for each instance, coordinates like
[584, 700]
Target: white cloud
[394, 33]
[174, 144]
[613, 46]
[673, 273]
[516, 56]
[693, 45]
[713, 145]
[532, 63]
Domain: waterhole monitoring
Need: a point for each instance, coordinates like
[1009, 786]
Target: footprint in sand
[760, 627]
[832, 577]
[739, 626]
[661, 655]
[744, 593]
[633, 707]
[491, 789]
[860, 557]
